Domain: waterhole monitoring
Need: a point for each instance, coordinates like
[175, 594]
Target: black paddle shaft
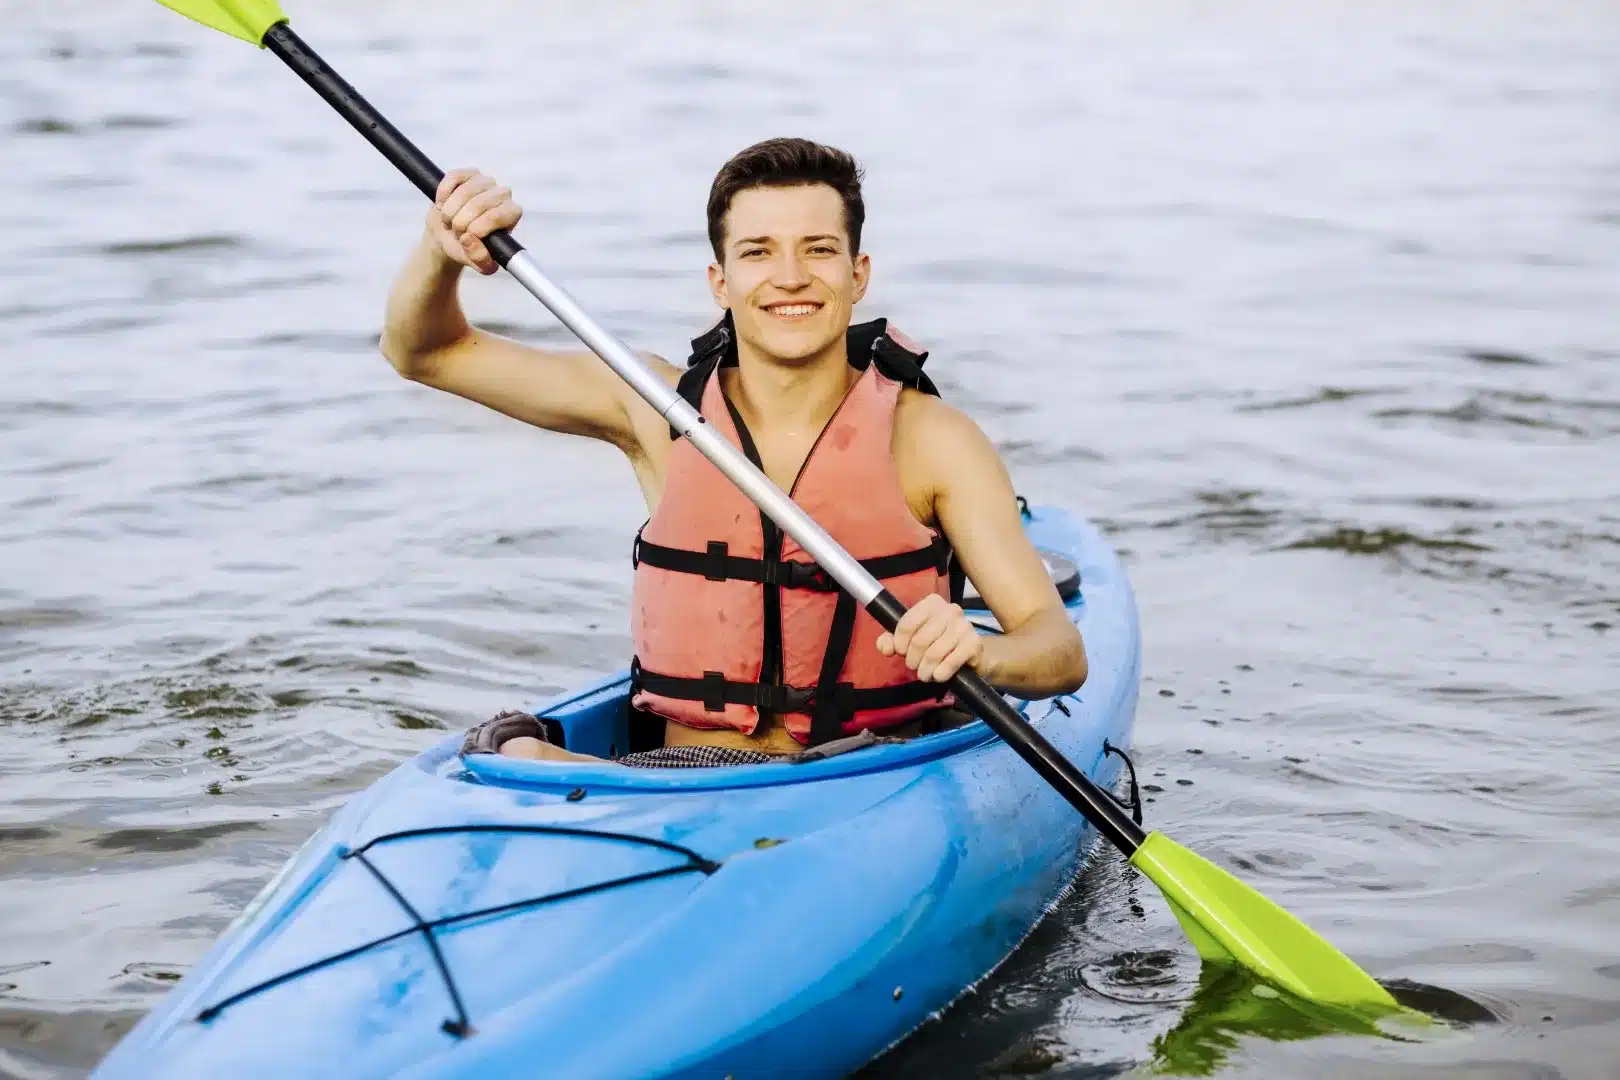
[1108, 816]
[417, 166]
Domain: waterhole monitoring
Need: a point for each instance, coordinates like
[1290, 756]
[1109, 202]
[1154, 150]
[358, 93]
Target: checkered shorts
[697, 757]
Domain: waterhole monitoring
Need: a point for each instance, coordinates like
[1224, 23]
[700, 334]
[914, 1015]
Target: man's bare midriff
[770, 738]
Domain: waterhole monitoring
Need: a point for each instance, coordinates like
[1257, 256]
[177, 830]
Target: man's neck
[795, 398]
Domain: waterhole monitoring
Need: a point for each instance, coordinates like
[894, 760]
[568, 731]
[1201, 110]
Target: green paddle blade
[1229, 922]
[245, 19]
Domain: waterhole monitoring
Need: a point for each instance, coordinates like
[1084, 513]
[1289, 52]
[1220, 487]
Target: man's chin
[791, 345]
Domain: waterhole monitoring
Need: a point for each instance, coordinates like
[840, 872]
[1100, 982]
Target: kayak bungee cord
[1226, 920]
[460, 1025]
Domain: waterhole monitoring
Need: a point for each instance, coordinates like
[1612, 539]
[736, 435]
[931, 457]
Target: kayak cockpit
[597, 721]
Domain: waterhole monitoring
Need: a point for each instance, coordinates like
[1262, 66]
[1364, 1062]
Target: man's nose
[790, 272]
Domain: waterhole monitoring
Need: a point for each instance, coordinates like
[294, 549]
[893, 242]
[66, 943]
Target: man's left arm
[949, 463]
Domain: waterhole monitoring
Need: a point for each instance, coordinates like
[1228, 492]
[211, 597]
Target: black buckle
[808, 576]
[714, 691]
[716, 570]
[786, 699]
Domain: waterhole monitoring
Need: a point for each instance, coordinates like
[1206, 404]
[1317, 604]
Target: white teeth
[793, 309]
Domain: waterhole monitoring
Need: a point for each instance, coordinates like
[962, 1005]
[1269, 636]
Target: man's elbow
[414, 364]
[1075, 669]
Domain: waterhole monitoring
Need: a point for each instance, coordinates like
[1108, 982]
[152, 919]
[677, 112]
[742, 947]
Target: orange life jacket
[731, 618]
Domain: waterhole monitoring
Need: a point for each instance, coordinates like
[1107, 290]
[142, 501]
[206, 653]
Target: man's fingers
[448, 184]
[479, 254]
[502, 215]
[478, 205]
[934, 655]
[464, 193]
[914, 618]
[952, 663]
[926, 637]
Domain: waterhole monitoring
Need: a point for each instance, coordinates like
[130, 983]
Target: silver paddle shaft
[690, 423]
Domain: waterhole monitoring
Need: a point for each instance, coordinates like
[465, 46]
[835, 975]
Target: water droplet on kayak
[901, 990]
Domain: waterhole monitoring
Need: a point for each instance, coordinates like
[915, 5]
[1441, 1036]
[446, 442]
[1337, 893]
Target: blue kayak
[478, 916]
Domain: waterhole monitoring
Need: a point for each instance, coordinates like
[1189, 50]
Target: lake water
[1315, 308]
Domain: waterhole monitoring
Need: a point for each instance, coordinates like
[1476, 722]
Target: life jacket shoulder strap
[896, 356]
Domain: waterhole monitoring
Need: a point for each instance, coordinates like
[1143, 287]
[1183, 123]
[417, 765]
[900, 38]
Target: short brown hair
[787, 163]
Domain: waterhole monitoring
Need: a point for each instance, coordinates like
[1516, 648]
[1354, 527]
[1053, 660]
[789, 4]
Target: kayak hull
[774, 920]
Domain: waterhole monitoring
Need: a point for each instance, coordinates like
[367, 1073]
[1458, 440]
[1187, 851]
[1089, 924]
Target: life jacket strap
[716, 563]
[716, 692]
[867, 343]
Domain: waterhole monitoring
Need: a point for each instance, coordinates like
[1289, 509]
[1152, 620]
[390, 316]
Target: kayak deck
[488, 917]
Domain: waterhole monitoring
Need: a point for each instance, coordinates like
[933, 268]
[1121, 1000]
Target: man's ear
[863, 275]
[717, 287]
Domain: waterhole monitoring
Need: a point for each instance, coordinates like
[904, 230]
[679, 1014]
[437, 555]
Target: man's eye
[751, 252]
[823, 249]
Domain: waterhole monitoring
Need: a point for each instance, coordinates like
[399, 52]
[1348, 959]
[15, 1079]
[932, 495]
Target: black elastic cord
[1135, 803]
[461, 1026]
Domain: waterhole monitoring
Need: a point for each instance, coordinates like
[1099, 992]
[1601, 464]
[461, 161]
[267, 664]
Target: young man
[736, 649]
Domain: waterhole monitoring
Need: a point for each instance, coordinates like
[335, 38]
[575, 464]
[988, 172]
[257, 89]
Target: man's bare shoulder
[938, 450]
[929, 426]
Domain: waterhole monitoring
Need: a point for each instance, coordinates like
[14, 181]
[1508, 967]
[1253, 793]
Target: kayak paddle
[1226, 920]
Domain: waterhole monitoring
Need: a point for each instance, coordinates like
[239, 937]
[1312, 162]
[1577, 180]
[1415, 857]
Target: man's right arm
[427, 338]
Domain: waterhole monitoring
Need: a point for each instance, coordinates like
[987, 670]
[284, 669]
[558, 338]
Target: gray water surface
[1316, 308]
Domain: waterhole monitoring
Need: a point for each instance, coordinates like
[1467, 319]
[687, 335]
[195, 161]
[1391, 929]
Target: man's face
[788, 275]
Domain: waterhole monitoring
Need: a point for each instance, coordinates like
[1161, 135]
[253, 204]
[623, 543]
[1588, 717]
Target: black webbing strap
[827, 722]
[870, 343]
[718, 564]
[958, 580]
[716, 692]
[866, 343]
[690, 386]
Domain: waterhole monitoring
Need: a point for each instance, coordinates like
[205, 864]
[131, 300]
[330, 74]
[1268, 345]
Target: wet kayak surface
[1313, 312]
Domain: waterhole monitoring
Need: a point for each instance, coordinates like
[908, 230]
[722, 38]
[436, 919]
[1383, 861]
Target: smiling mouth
[796, 310]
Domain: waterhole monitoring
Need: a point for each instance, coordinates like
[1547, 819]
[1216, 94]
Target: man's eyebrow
[767, 240]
